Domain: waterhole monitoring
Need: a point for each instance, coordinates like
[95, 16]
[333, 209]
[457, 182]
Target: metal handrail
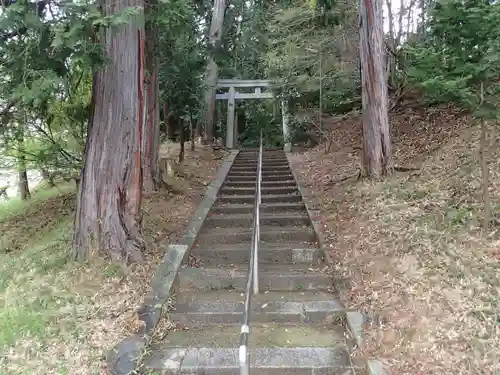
[253, 272]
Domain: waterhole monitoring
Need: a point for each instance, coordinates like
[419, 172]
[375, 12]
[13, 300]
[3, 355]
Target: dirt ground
[61, 317]
[411, 248]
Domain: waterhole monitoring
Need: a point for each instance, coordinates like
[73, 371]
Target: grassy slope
[411, 247]
[58, 316]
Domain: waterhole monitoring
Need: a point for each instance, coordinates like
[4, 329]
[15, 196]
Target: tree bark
[48, 177]
[485, 171]
[24, 190]
[212, 71]
[399, 35]
[151, 134]
[108, 213]
[422, 17]
[192, 127]
[182, 140]
[377, 152]
[390, 57]
[169, 125]
[198, 130]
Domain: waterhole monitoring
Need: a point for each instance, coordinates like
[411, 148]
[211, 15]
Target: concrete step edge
[267, 196]
[264, 184]
[264, 230]
[265, 207]
[266, 215]
[283, 306]
[335, 360]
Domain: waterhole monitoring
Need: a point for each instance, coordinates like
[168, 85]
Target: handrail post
[244, 357]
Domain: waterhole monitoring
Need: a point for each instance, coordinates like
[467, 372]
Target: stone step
[264, 208]
[264, 184]
[281, 167]
[265, 164]
[227, 190]
[268, 219]
[276, 169]
[249, 174]
[226, 307]
[263, 361]
[244, 168]
[265, 161]
[262, 336]
[275, 190]
[230, 190]
[210, 236]
[250, 199]
[242, 178]
[271, 277]
[245, 173]
[265, 170]
[253, 166]
[265, 157]
[280, 177]
[289, 253]
[286, 172]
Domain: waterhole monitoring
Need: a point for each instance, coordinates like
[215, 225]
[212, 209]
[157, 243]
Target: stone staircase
[296, 324]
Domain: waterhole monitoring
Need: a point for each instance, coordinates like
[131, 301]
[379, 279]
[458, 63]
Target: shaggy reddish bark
[108, 213]
[152, 129]
[377, 151]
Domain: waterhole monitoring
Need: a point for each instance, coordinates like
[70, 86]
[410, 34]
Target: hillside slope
[411, 248]
[61, 317]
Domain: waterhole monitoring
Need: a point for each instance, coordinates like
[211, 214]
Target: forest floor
[62, 317]
[410, 248]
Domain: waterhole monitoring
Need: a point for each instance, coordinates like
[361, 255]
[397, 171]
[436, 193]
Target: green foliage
[461, 51]
[181, 58]
[45, 86]
[312, 42]
[47, 58]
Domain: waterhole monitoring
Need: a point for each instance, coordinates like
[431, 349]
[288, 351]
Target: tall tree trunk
[47, 177]
[169, 125]
[182, 140]
[173, 122]
[485, 171]
[422, 18]
[108, 212]
[212, 72]
[152, 128]
[402, 12]
[391, 56]
[198, 131]
[24, 190]
[166, 119]
[377, 152]
[192, 127]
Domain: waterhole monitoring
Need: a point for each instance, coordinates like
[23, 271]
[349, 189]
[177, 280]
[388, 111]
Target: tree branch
[40, 7]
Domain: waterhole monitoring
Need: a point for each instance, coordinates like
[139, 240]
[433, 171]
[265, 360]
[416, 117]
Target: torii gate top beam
[243, 83]
[233, 84]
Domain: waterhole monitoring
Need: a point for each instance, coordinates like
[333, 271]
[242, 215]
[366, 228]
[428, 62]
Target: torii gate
[232, 95]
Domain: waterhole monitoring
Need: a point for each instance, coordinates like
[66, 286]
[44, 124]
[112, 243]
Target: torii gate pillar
[230, 127]
[286, 126]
